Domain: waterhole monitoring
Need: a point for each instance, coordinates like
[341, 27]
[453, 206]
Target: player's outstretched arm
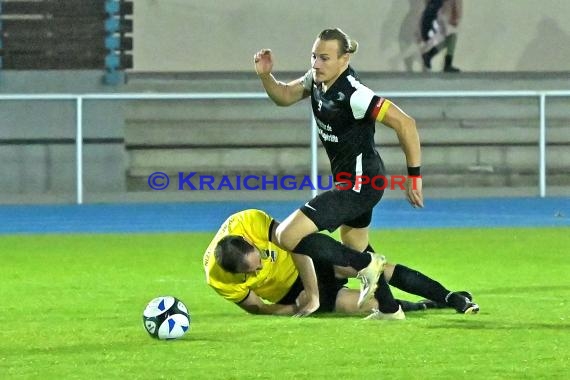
[310, 302]
[255, 305]
[282, 94]
[405, 128]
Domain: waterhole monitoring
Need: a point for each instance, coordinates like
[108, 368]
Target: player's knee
[286, 238]
[359, 245]
[389, 271]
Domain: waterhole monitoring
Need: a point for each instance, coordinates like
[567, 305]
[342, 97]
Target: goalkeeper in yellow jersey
[243, 265]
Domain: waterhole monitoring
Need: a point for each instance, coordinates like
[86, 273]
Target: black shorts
[328, 284]
[335, 207]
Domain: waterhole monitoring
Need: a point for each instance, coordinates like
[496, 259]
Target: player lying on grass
[244, 266]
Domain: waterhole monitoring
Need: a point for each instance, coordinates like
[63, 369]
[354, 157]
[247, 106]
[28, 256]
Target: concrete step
[517, 158]
[294, 132]
[217, 132]
[297, 160]
[468, 142]
[491, 180]
[492, 132]
[226, 160]
[214, 110]
[377, 81]
[429, 108]
[386, 83]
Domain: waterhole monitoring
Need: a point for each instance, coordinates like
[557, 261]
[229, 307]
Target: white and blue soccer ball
[166, 317]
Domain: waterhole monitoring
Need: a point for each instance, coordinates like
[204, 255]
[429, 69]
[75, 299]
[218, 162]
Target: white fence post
[79, 148]
[542, 148]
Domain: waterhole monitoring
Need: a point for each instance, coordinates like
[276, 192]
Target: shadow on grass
[468, 322]
[523, 290]
[114, 347]
[472, 324]
[363, 315]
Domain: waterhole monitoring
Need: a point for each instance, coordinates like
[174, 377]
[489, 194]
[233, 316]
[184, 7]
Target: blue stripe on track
[187, 217]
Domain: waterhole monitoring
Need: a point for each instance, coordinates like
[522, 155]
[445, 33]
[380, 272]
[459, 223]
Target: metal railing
[81, 98]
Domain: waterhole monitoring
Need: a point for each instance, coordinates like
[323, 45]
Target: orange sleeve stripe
[380, 109]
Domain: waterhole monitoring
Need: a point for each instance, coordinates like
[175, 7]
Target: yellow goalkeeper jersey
[276, 277]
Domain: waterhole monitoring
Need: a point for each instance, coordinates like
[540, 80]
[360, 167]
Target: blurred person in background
[438, 28]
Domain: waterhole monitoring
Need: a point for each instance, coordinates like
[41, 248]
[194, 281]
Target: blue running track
[189, 217]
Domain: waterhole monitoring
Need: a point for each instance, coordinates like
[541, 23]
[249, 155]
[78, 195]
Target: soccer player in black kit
[346, 112]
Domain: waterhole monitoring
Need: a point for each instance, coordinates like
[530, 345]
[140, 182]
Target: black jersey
[429, 15]
[345, 116]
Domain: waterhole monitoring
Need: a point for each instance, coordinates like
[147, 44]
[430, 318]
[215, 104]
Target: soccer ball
[166, 318]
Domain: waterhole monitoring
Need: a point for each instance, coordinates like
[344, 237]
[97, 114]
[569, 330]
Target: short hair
[230, 252]
[345, 43]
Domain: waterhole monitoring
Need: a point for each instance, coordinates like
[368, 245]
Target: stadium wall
[467, 152]
[198, 35]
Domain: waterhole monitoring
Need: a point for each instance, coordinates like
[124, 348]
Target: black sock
[448, 61]
[410, 306]
[386, 301]
[385, 298]
[326, 249]
[414, 282]
[428, 56]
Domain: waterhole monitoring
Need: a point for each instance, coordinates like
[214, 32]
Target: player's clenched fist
[263, 62]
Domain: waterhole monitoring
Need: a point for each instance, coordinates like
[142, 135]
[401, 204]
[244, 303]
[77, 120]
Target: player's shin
[326, 249]
[414, 282]
[386, 302]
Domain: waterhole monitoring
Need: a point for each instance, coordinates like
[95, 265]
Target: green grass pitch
[72, 305]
